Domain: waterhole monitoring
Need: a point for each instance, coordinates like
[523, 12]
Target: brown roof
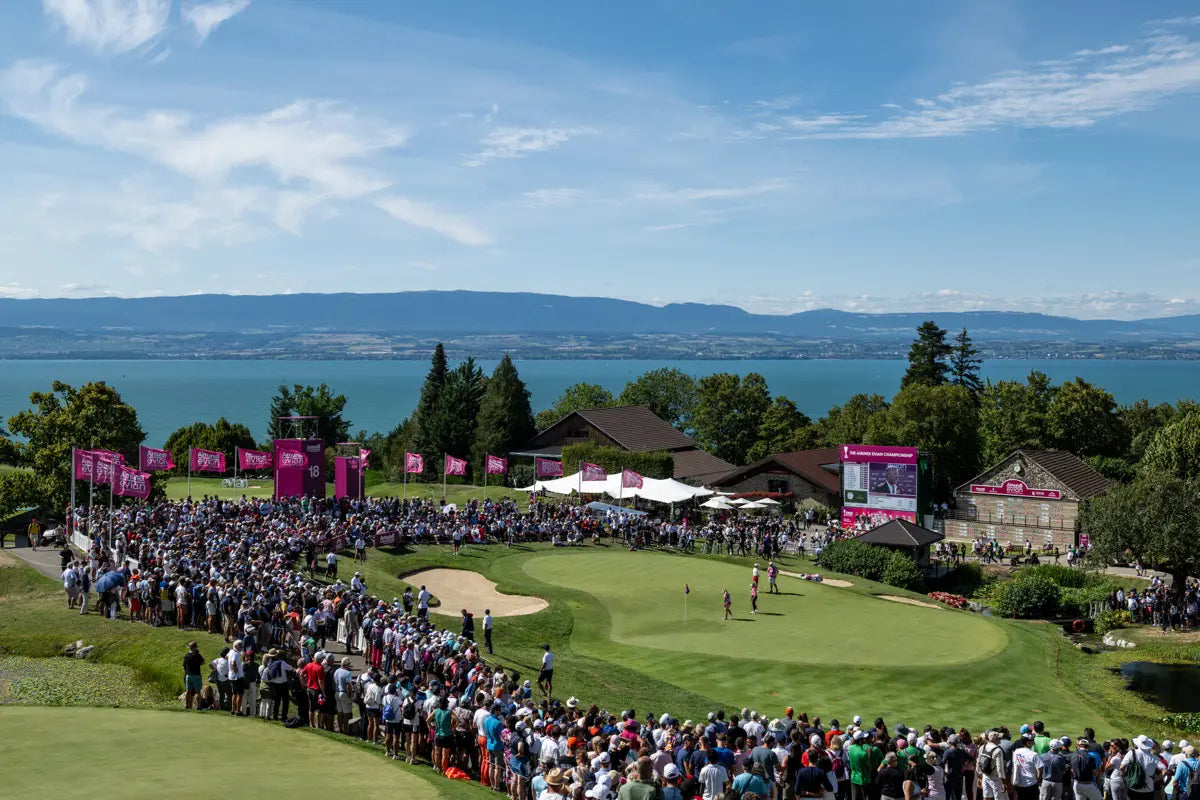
[636, 428]
[698, 465]
[1067, 467]
[900, 533]
[808, 464]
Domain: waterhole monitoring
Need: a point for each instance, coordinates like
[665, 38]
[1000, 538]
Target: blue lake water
[168, 394]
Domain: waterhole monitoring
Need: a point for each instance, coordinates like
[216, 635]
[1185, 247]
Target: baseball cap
[858, 719]
[859, 735]
[670, 772]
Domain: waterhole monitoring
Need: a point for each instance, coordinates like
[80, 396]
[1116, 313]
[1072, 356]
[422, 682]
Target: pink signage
[877, 452]
[497, 465]
[874, 516]
[129, 482]
[154, 459]
[455, 466]
[414, 463]
[547, 468]
[1015, 487]
[592, 472]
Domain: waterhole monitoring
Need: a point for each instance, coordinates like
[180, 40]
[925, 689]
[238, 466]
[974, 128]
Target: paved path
[45, 561]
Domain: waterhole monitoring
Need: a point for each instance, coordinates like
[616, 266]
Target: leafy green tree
[1084, 420]
[942, 420]
[8, 448]
[1011, 416]
[1155, 519]
[505, 418]
[426, 439]
[965, 363]
[398, 441]
[848, 423]
[1175, 449]
[19, 489]
[784, 429]
[1143, 422]
[927, 357]
[577, 397]
[309, 401]
[670, 393]
[224, 436]
[92, 416]
[729, 414]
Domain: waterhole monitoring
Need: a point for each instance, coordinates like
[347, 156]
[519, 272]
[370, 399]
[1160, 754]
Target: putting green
[97, 752]
[809, 623]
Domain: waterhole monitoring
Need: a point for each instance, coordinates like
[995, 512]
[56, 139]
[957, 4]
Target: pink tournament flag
[455, 466]
[206, 460]
[292, 459]
[253, 459]
[153, 459]
[687, 589]
[414, 463]
[85, 464]
[593, 472]
[547, 468]
[129, 482]
[630, 479]
[103, 466]
[363, 456]
[497, 465]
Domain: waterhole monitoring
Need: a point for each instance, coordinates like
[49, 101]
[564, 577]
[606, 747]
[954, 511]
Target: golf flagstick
[686, 590]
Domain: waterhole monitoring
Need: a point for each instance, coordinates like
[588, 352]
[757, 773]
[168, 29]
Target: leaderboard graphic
[880, 483]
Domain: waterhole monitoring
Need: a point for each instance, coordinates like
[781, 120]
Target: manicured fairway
[95, 752]
[807, 623]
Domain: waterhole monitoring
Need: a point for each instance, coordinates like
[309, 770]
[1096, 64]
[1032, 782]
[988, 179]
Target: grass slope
[157, 754]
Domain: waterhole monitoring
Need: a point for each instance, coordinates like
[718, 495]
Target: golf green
[808, 623]
[97, 752]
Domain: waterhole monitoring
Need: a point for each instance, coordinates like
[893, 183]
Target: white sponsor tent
[666, 490]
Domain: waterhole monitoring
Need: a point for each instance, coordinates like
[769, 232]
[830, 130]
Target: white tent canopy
[666, 490]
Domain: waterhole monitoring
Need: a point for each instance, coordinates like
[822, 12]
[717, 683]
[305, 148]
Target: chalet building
[1030, 496]
[805, 475]
[633, 428]
[907, 537]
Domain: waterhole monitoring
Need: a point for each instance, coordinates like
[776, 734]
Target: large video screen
[878, 482]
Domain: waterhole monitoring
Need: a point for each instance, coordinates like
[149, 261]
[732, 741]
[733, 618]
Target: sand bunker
[459, 588]
[838, 582]
[908, 601]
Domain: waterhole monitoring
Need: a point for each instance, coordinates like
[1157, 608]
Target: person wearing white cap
[1177, 756]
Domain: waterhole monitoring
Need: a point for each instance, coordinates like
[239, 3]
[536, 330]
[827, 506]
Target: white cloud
[18, 291]
[110, 26]
[552, 197]
[509, 142]
[422, 215]
[1090, 86]
[693, 194]
[205, 17]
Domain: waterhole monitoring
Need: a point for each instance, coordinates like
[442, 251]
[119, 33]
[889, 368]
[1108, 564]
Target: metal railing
[1041, 521]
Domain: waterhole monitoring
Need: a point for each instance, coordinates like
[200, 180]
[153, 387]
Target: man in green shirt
[864, 759]
[643, 788]
[1041, 742]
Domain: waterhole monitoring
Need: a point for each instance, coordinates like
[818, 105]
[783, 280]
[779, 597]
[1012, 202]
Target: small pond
[1175, 687]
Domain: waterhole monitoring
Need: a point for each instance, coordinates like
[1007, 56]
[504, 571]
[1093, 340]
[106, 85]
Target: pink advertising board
[867, 453]
[1015, 487]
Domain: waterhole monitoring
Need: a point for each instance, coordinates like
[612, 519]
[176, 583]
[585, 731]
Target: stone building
[1030, 496]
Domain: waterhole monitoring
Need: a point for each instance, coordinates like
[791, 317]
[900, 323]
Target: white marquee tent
[667, 490]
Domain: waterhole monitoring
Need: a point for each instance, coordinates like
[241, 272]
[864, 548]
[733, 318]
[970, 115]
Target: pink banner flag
[292, 459]
[414, 463]
[206, 460]
[364, 456]
[455, 466]
[593, 472]
[630, 479]
[497, 465]
[103, 466]
[85, 465]
[129, 482]
[547, 468]
[253, 459]
[153, 459]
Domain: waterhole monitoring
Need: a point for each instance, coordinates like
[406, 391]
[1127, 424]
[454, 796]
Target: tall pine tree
[927, 357]
[426, 438]
[505, 416]
[964, 364]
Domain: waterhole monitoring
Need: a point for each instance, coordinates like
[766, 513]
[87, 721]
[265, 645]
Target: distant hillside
[463, 312]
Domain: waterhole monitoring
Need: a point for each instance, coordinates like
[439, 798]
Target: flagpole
[362, 481]
[443, 478]
[112, 479]
[71, 510]
[685, 594]
[406, 476]
[189, 474]
[485, 473]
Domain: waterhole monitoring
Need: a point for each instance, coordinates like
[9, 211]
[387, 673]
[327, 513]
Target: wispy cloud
[509, 142]
[1089, 86]
[552, 197]
[423, 215]
[691, 194]
[206, 17]
[110, 26]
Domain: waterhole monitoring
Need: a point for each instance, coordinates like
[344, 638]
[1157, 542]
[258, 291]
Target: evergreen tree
[310, 401]
[927, 357]
[965, 363]
[426, 439]
[505, 417]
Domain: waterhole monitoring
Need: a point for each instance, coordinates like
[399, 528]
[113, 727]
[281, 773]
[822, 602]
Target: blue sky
[774, 155]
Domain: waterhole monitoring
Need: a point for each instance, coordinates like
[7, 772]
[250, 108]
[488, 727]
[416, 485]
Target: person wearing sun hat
[556, 785]
[1151, 768]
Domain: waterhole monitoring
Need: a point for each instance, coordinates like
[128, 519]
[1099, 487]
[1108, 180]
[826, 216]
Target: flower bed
[952, 600]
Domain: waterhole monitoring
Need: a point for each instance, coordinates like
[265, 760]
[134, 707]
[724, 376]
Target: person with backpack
[1141, 769]
[989, 766]
[1183, 782]
[1082, 767]
[389, 713]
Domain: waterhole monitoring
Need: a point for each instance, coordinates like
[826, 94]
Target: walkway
[45, 561]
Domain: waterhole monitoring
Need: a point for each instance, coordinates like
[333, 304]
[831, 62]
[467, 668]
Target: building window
[777, 486]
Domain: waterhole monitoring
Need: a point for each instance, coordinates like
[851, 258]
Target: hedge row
[892, 567]
[653, 464]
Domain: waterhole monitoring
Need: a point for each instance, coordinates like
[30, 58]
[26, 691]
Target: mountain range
[481, 313]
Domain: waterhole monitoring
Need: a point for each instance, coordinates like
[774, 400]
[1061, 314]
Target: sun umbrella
[766, 501]
[717, 503]
[109, 581]
[741, 501]
[752, 506]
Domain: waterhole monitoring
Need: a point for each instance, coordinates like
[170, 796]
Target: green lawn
[177, 489]
[160, 754]
[842, 653]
